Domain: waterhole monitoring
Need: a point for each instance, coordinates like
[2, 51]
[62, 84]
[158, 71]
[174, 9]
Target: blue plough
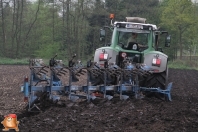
[102, 82]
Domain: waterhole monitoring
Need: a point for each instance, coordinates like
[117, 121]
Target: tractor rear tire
[157, 80]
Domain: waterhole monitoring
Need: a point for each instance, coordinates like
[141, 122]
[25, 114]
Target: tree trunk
[68, 29]
[194, 50]
[190, 53]
[180, 43]
[13, 28]
[53, 23]
[63, 32]
[18, 30]
[3, 30]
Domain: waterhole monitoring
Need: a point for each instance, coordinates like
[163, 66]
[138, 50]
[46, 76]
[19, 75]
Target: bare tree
[3, 29]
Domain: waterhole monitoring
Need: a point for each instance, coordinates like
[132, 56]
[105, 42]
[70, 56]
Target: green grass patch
[181, 64]
[24, 61]
[8, 61]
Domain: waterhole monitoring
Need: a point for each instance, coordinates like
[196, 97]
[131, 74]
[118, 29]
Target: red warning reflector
[155, 70]
[26, 79]
[123, 54]
[97, 94]
[102, 65]
[156, 62]
[103, 57]
[25, 99]
[111, 16]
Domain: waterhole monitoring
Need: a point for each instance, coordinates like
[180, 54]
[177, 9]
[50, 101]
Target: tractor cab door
[162, 36]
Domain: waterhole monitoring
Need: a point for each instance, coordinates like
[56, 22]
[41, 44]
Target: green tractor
[137, 41]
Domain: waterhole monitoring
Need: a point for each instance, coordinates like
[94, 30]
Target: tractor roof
[135, 22]
[142, 26]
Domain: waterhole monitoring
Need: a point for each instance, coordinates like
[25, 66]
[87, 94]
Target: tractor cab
[135, 34]
[132, 38]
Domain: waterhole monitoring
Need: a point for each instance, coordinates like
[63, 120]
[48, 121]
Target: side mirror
[102, 34]
[167, 41]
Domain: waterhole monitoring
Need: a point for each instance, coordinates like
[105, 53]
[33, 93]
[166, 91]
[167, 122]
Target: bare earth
[134, 115]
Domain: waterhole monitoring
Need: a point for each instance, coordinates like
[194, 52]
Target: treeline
[46, 27]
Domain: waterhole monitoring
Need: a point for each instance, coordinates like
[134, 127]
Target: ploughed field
[133, 115]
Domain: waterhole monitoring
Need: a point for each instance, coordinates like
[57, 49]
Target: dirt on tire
[133, 115]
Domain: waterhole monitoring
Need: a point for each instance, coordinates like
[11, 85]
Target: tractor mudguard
[156, 60]
[106, 50]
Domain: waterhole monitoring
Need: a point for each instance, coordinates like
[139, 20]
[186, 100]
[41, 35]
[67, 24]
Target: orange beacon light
[111, 16]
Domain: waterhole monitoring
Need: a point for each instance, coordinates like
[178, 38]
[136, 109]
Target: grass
[183, 64]
[8, 61]
[25, 61]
